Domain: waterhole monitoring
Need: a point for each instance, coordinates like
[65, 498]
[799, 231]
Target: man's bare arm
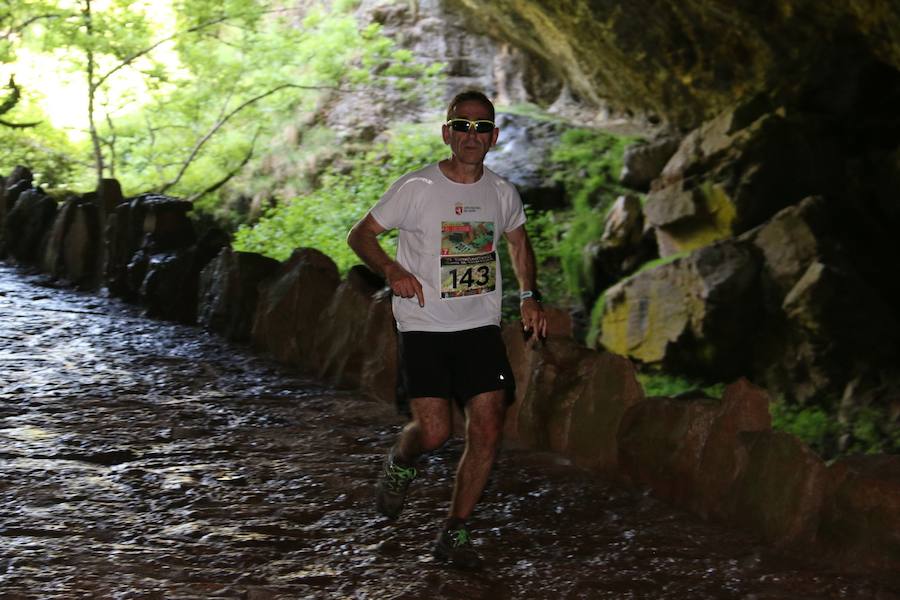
[363, 239]
[522, 255]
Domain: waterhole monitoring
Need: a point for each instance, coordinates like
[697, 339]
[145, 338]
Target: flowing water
[142, 459]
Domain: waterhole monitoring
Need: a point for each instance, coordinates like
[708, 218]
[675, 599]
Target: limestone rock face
[730, 175]
[687, 61]
[694, 312]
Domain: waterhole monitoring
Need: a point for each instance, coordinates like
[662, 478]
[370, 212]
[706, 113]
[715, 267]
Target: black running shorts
[456, 365]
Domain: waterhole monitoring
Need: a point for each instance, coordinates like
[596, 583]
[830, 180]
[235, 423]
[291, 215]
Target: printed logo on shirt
[461, 208]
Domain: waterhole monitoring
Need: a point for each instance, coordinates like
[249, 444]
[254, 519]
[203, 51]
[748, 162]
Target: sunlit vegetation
[182, 106]
[322, 218]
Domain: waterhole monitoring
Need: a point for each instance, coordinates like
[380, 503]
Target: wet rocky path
[141, 459]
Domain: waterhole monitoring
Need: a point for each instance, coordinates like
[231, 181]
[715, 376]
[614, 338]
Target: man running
[447, 290]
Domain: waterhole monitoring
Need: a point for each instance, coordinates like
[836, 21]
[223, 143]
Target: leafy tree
[204, 88]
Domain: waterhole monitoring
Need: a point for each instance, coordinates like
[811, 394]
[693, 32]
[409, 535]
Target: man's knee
[484, 423]
[433, 434]
[432, 420]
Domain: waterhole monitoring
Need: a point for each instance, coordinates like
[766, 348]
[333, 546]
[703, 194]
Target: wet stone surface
[141, 459]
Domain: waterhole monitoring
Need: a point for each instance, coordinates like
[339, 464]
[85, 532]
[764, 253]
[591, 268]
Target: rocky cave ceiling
[683, 61]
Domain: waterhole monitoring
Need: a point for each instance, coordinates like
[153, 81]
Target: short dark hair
[468, 96]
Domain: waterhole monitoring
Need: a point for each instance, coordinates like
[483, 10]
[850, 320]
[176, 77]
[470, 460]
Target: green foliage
[814, 425]
[588, 163]
[322, 218]
[183, 102]
[43, 149]
[658, 383]
[861, 430]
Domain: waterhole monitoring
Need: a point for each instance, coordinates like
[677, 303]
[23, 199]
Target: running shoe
[454, 544]
[392, 487]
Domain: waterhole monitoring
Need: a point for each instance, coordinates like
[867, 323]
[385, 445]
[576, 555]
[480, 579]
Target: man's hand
[533, 318]
[403, 283]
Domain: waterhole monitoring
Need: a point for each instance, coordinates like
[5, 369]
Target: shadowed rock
[861, 516]
[338, 350]
[781, 490]
[151, 223]
[379, 371]
[13, 185]
[73, 250]
[643, 162]
[169, 289]
[574, 402]
[693, 313]
[27, 225]
[229, 290]
[290, 306]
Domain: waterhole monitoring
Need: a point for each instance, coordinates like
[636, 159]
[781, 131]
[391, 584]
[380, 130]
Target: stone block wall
[718, 458]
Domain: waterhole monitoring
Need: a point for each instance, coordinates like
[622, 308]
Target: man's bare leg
[428, 429]
[484, 428]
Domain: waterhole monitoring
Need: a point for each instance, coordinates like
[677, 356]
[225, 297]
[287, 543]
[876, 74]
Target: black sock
[454, 523]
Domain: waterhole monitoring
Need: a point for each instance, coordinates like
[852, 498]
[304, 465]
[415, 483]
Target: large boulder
[379, 337]
[644, 161]
[736, 171]
[75, 243]
[150, 223]
[27, 225]
[781, 491]
[229, 289]
[823, 306]
[338, 351]
[694, 313]
[171, 279]
[861, 517]
[574, 402]
[290, 306]
[13, 185]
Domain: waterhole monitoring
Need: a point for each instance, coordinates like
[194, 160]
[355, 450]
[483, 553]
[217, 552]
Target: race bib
[468, 259]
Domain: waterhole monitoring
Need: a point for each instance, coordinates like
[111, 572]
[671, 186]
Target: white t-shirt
[448, 237]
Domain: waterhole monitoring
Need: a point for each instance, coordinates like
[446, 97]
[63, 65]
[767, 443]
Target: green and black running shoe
[395, 480]
[454, 544]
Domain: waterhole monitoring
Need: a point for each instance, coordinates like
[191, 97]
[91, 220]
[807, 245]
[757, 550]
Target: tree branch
[10, 103]
[14, 30]
[221, 122]
[199, 27]
[230, 174]
[127, 61]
